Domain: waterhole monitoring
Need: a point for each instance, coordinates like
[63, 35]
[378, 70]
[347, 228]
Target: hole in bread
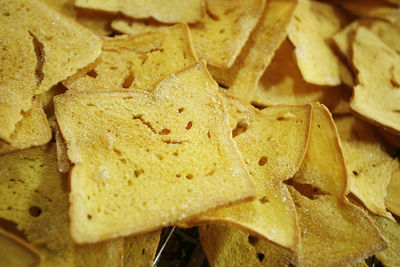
[128, 79]
[179, 175]
[281, 118]
[253, 240]
[137, 173]
[260, 256]
[143, 251]
[9, 208]
[189, 176]
[189, 125]
[355, 173]
[263, 200]
[35, 211]
[92, 73]
[263, 160]
[165, 131]
[118, 152]
[175, 153]
[159, 156]
[208, 134]
[89, 217]
[222, 31]
[319, 126]
[240, 128]
[181, 110]
[7, 14]
[130, 182]
[210, 172]
[307, 190]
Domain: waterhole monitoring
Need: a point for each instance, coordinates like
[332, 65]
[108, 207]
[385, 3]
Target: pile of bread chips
[271, 125]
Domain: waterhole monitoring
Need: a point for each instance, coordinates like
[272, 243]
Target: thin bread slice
[138, 61]
[376, 97]
[186, 155]
[34, 195]
[314, 22]
[273, 143]
[15, 252]
[372, 8]
[392, 199]
[334, 231]
[389, 257]
[225, 30]
[286, 85]
[369, 166]
[39, 48]
[139, 250]
[173, 11]
[221, 242]
[242, 77]
[32, 130]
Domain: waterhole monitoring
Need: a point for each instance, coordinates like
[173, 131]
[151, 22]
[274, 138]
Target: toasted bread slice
[150, 159]
[335, 232]
[273, 143]
[138, 61]
[139, 250]
[390, 257]
[34, 195]
[32, 130]
[39, 48]
[392, 199]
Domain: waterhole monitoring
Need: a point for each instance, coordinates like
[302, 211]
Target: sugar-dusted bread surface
[140, 250]
[39, 48]
[138, 61]
[273, 143]
[144, 160]
[34, 196]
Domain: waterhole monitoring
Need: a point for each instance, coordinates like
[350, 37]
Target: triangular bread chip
[39, 48]
[372, 8]
[140, 250]
[369, 166]
[392, 199]
[15, 252]
[334, 231]
[377, 95]
[280, 85]
[314, 22]
[389, 257]
[225, 30]
[242, 77]
[32, 130]
[138, 61]
[173, 11]
[273, 143]
[187, 155]
[228, 246]
[34, 196]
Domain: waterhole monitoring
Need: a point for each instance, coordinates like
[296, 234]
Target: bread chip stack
[120, 118]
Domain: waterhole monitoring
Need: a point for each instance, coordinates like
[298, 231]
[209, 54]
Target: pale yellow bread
[377, 95]
[333, 231]
[138, 61]
[372, 8]
[273, 143]
[369, 166]
[32, 130]
[225, 30]
[226, 245]
[172, 11]
[389, 257]
[242, 76]
[392, 199]
[280, 85]
[139, 250]
[39, 48]
[34, 196]
[188, 163]
[15, 252]
[314, 22]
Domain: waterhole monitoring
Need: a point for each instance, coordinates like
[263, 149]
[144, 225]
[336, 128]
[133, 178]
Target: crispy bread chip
[369, 166]
[372, 8]
[273, 143]
[225, 30]
[136, 61]
[392, 200]
[32, 130]
[173, 11]
[377, 95]
[313, 23]
[242, 77]
[285, 85]
[226, 245]
[39, 48]
[334, 231]
[15, 252]
[34, 195]
[389, 257]
[184, 143]
[140, 250]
